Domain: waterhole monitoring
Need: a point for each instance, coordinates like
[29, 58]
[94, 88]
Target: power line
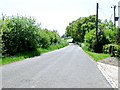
[111, 16]
[102, 11]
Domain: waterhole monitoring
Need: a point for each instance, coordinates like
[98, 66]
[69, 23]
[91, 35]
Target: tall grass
[95, 56]
[24, 55]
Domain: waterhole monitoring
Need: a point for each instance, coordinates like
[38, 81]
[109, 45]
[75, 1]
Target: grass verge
[97, 56]
[0, 61]
[24, 55]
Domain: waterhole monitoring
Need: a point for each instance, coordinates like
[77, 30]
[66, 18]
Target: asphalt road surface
[69, 67]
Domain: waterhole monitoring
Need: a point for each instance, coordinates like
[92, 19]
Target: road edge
[103, 68]
[104, 73]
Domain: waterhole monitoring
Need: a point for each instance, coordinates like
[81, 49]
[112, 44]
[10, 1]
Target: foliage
[110, 35]
[78, 28]
[117, 35]
[109, 31]
[97, 56]
[83, 30]
[88, 39]
[63, 36]
[97, 43]
[116, 50]
[26, 54]
[21, 34]
[94, 55]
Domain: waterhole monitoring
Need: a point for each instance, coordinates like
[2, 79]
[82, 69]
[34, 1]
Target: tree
[84, 29]
[21, 34]
[78, 28]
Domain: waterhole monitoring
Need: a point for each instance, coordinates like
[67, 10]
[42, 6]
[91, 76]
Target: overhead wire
[102, 11]
[111, 16]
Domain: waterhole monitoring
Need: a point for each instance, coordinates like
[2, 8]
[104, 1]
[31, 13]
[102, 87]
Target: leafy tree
[84, 29]
[88, 40]
[78, 28]
[97, 44]
[21, 34]
[117, 35]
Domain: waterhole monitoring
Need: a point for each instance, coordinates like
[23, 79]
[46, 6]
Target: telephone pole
[119, 14]
[97, 22]
[114, 6]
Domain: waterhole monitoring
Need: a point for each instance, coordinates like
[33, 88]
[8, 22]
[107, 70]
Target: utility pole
[119, 14]
[97, 22]
[114, 6]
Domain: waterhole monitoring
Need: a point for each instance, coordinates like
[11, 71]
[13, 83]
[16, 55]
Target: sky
[57, 14]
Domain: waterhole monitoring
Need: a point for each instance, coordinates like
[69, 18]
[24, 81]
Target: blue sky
[56, 14]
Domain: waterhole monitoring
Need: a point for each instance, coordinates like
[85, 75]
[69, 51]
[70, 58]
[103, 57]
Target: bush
[88, 39]
[94, 44]
[117, 36]
[21, 34]
[77, 29]
[97, 44]
[116, 50]
[45, 39]
[110, 35]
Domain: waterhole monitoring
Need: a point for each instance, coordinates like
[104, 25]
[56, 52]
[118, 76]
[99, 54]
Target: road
[69, 67]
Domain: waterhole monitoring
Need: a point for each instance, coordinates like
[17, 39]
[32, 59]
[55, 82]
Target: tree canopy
[21, 33]
[83, 30]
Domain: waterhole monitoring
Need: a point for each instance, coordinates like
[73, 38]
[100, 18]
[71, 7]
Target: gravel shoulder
[111, 61]
[109, 68]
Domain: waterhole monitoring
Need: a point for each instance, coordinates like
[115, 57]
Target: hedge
[116, 51]
[20, 33]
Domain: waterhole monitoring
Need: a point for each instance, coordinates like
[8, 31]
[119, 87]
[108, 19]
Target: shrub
[88, 39]
[110, 35]
[94, 44]
[117, 36]
[21, 34]
[98, 42]
[116, 50]
[45, 40]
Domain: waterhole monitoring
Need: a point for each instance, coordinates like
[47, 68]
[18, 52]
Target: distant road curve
[69, 40]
